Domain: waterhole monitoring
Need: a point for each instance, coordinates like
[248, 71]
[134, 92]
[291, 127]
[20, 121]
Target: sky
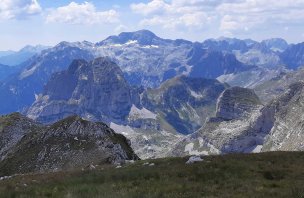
[48, 22]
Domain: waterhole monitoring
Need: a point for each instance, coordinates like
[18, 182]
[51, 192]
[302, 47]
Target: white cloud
[225, 15]
[120, 28]
[153, 7]
[18, 9]
[252, 14]
[177, 13]
[84, 13]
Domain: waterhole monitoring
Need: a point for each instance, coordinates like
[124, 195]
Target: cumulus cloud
[120, 28]
[176, 13]
[84, 13]
[229, 16]
[18, 9]
[250, 14]
[153, 7]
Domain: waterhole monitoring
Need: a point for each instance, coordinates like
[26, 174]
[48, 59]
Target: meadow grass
[277, 174]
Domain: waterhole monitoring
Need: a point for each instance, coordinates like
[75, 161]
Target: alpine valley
[138, 96]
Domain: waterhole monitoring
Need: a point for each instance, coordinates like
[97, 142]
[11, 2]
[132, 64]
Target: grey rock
[54, 148]
[275, 87]
[293, 56]
[230, 130]
[235, 102]
[95, 90]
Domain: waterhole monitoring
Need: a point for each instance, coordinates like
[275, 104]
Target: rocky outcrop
[13, 128]
[230, 130]
[94, 90]
[19, 90]
[276, 44]
[285, 115]
[278, 126]
[212, 64]
[184, 102]
[275, 87]
[67, 144]
[293, 56]
[235, 103]
[264, 54]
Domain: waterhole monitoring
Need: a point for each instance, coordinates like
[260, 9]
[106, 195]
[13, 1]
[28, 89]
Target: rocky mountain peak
[67, 144]
[96, 90]
[184, 101]
[13, 128]
[293, 56]
[142, 37]
[76, 65]
[276, 44]
[34, 49]
[236, 102]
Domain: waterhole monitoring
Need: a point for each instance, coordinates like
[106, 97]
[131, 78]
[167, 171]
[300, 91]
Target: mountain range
[13, 58]
[168, 97]
[147, 60]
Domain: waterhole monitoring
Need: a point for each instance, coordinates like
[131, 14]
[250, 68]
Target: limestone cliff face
[236, 102]
[279, 125]
[67, 144]
[184, 102]
[230, 130]
[152, 119]
[285, 115]
[95, 90]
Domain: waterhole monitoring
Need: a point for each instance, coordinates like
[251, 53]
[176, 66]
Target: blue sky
[48, 22]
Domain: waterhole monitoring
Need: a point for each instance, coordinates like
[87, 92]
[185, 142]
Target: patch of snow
[276, 49]
[5, 177]
[257, 149]
[84, 77]
[194, 159]
[27, 72]
[92, 167]
[13, 90]
[150, 46]
[129, 161]
[76, 138]
[190, 149]
[226, 78]
[116, 45]
[146, 164]
[141, 113]
[152, 164]
[124, 130]
[210, 146]
[36, 97]
[145, 137]
[130, 42]
[196, 95]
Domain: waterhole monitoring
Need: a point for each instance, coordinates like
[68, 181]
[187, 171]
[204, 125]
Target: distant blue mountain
[145, 60]
[6, 71]
[293, 56]
[6, 53]
[11, 58]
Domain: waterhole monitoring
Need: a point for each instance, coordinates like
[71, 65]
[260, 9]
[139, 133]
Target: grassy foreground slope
[278, 174]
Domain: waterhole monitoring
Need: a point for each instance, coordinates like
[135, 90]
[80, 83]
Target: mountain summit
[142, 37]
[96, 90]
[27, 146]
